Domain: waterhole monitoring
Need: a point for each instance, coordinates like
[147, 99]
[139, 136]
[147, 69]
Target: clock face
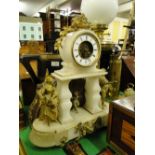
[86, 50]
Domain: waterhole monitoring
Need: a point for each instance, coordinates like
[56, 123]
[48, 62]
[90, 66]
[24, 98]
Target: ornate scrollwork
[78, 22]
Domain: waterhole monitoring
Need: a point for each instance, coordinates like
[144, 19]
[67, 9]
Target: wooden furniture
[32, 70]
[74, 148]
[106, 151]
[30, 48]
[24, 74]
[121, 125]
[21, 119]
[128, 71]
[130, 63]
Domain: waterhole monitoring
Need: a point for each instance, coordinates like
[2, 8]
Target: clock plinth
[56, 133]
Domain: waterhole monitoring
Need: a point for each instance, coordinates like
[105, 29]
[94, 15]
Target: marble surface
[127, 102]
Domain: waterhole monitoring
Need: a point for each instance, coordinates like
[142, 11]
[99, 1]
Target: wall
[116, 30]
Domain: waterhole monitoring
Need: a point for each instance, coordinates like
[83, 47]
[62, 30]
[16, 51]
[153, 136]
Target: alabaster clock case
[80, 49]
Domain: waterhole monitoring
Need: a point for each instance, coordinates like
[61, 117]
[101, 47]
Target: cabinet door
[128, 134]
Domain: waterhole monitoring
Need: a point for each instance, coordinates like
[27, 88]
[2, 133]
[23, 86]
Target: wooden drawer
[128, 134]
[121, 125]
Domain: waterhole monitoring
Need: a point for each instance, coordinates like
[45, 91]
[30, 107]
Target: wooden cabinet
[121, 125]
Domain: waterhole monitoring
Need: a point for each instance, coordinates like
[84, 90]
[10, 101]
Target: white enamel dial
[86, 50]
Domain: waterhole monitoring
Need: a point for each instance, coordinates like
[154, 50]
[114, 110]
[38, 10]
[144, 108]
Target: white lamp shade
[99, 11]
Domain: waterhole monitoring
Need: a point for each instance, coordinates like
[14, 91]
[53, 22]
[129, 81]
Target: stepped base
[57, 134]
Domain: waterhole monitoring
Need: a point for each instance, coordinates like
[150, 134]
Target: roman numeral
[86, 37]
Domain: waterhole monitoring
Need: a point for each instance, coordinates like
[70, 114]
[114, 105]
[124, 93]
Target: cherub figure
[45, 103]
[76, 100]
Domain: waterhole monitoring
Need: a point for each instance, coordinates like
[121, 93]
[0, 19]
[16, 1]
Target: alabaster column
[65, 104]
[92, 94]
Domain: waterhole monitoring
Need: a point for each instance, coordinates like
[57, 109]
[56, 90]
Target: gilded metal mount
[79, 22]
